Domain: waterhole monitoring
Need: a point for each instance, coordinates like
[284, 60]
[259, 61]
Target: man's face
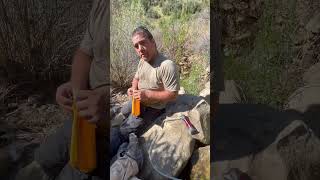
[145, 48]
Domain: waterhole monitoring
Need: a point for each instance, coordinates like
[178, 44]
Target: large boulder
[294, 154]
[167, 144]
[299, 148]
[167, 147]
[200, 162]
[303, 98]
[200, 118]
[312, 75]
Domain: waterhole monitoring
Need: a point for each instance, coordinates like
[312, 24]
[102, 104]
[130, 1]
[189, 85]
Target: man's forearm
[164, 95]
[103, 124]
[80, 70]
[135, 83]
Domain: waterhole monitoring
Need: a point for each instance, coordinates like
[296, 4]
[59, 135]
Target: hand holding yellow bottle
[83, 141]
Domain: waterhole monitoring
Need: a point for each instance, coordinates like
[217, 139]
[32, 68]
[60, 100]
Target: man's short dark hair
[144, 30]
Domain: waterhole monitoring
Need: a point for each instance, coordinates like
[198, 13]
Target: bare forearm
[102, 124]
[164, 96]
[135, 83]
[80, 70]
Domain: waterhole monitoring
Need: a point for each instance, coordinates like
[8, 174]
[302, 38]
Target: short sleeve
[87, 42]
[170, 76]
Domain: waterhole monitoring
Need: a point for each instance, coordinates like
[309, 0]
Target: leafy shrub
[262, 72]
[123, 57]
[170, 7]
[151, 13]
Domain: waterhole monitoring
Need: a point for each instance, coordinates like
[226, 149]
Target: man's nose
[141, 48]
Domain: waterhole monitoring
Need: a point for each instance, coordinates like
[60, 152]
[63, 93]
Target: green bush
[193, 83]
[151, 13]
[262, 71]
[123, 57]
[191, 7]
[170, 8]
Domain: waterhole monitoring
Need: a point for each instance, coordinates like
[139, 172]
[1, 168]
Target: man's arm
[155, 95]
[79, 80]
[80, 70]
[135, 83]
[164, 95]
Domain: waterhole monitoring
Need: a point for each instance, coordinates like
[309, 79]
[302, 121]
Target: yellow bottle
[135, 111]
[83, 143]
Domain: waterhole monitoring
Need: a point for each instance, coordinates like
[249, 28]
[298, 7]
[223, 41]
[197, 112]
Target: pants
[131, 124]
[53, 157]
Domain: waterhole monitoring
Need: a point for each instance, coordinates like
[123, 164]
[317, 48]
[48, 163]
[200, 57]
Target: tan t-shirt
[95, 43]
[161, 74]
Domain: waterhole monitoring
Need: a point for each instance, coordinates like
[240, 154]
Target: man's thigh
[53, 153]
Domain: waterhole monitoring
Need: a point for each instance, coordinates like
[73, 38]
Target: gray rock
[32, 171]
[303, 98]
[200, 118]
[312, 75]
[295, 152]
[264, 165]
[220, 167]
[166, 149]
[299, 147]
[205, 93]
[314, 24]
[200, 162]
[181, 90]
[183, 103]
[230, 94]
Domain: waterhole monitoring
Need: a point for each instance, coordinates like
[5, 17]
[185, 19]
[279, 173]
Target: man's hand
[92, 105]
[130, 91]
[64, 96]
[140, 95]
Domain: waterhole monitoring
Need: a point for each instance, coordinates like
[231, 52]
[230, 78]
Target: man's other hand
[64, 96]
[91, 105]
[130, 91]
[140, 95]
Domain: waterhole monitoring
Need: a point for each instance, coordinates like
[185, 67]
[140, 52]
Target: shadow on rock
[245, 129]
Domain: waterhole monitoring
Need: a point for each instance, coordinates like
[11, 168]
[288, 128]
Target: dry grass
[41, 36]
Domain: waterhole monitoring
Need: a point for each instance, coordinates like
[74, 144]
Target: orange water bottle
[83, 142]
[135, 107]
[135, 111]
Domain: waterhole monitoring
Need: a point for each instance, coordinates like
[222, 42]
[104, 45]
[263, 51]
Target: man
[155, 83]
[89, 78]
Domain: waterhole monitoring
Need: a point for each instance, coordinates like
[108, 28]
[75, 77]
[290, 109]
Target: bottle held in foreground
[83, 142]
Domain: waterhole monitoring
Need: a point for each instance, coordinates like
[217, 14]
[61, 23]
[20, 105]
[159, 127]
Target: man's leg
[116, 139]
[138, 124]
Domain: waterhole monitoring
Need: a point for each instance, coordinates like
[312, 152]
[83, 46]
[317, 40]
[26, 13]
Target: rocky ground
[23, 128]
[264, 143]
